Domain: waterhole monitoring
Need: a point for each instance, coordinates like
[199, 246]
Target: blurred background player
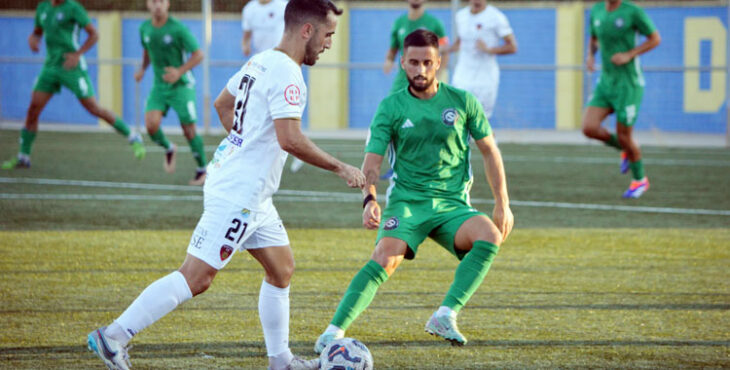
[613, 27]
[261, 107]
[482, 33]
[416, 18]
[59, 21]
[263, 24]
[427, 126]
[166, 41]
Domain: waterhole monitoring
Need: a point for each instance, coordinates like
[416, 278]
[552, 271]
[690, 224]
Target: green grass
[571, 287]
[597, 298]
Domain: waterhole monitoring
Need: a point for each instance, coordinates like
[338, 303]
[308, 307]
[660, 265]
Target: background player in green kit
[428, 127]
[60, 21]
[166, 41]
[613, 25]
[416, 18]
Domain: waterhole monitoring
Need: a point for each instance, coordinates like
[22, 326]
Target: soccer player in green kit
[166, 41]
[60, 21]
[613, 26]
[416, 18]
[427, 128]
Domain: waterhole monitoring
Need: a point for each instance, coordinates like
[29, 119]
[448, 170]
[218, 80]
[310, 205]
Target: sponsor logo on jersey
[226, 251]
[245, 213]
[407, 124]
[449, 116]
[235, 140]
[292, 94]
[391, 224]
[619, 22]
[167, 39]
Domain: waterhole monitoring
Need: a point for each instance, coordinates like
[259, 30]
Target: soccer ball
[346, 354]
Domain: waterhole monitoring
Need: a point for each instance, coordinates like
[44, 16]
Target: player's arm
[246, 43]
[72, 59]
[139, 74]
[389, 60]
[371, 209]
[224, 104]
[173, 74]
[292, 140]
[509, 46]
[34, 39]
[455, 46]
[494, 168]
[651, 42]
[591, 56]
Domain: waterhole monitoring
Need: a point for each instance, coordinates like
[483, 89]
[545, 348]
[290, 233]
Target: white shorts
[224, 228]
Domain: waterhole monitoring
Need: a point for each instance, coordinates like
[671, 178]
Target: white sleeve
[245, 22]
[503, 27]
[234, 81]
[287, 95]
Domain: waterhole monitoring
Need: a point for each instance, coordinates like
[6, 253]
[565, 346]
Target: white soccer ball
[346, 354]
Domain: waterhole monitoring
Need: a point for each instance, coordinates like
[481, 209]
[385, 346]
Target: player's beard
[310, 53]
[419, 88]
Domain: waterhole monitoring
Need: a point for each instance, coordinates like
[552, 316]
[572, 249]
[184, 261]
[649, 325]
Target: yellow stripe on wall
[109, 86]
[328, 87]
[569, 51]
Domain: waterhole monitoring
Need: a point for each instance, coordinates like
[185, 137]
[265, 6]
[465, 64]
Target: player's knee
[152, 126]
[589, 131]
[281, 277]
[200, 284]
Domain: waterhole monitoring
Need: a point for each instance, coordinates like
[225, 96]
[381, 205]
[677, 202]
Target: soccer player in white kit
[262, 22]
[482, 33]
[264, 124]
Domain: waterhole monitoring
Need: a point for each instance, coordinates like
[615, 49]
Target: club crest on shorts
[226, 251]
[391, 224]
[449, 116]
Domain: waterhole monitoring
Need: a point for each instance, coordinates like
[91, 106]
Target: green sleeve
[438, 28]
[190, 44]
[590, 22]
[141, 37]
[394, 35]
[381, 130]
[38, 16]
[643, 22]
[477, 122]
[81, 17]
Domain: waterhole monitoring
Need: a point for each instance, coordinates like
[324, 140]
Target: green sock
[159, 138]
[470, 274]
[637, 170]
[359, 294]
[26, 140]
[613, 142]
[198, 149]
[121, 127]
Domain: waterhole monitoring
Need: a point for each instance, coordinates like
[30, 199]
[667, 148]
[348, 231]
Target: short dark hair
[299, 12]
[421, 37]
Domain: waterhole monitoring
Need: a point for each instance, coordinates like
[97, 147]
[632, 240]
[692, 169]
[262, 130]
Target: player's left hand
[71, 60]
[481, 45]
[171, 75]
[503, 219]
[620, 59]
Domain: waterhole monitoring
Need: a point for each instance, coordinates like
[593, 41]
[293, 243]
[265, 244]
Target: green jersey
[61, 25]
[167, 46]
[428, 142]
[402, 28]
[616, 33]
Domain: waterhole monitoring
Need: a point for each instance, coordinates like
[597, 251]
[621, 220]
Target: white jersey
[266, 23]
[246, 168]
[475, 66]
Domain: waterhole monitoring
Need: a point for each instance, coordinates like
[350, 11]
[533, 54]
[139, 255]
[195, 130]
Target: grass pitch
[587, 280]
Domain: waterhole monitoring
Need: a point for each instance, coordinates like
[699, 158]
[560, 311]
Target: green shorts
[624, 99]
[52, 78]
[412, 221]
[180, 98]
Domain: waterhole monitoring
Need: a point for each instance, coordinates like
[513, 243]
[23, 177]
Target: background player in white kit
[263, 24]
[482, 33]
[270, 96]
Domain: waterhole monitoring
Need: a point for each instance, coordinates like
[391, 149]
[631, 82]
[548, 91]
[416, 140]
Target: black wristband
[367, 199]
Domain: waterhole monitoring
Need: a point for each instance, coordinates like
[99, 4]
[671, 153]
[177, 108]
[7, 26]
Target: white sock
[274, 316]
[335, 330]
[445, 311]
[281, 361]
[157, 300]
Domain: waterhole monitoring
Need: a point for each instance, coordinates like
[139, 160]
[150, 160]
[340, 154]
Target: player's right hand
[590, 63]
[371, 216]
[33, 42]
[139, 75]
[352, 175]
[388, 66]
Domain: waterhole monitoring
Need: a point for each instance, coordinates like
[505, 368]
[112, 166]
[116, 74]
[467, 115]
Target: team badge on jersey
[391, 224]
[597, 23]
[59, 16]
[43, 16]
[146, 39]
[167, 39]
[449, 116]
[292, 95]
[226, 251]
[619, 22]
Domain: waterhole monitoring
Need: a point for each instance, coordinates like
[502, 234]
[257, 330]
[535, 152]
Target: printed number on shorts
[245, 87]
[232, 231]
[630, 113]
